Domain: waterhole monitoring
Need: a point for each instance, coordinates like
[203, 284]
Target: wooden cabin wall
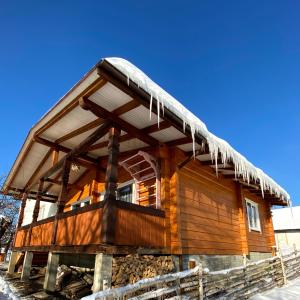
[208, 216]
[264, 240]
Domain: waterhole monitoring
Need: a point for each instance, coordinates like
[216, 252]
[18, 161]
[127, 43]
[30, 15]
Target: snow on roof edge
[216, 145]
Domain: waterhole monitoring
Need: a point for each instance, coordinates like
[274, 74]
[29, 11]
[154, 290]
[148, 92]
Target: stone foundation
[222, 262]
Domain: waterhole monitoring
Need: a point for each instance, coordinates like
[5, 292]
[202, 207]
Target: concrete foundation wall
[222, 262]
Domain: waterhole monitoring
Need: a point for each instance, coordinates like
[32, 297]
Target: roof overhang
[66, 124]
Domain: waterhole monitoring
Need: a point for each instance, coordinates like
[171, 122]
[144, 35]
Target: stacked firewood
[74, 282]
[132, 268]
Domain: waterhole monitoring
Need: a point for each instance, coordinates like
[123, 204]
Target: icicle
[193, 138]
[151, 99]
[184, 126]
[243, 168]
[158, 111]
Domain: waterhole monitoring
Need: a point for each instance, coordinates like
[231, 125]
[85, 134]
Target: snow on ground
[291, 291]
[5, 290]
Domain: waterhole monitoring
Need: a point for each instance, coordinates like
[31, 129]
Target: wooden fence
[236, 283]
[175, 286]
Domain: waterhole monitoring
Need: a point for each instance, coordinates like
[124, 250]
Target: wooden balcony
[136, 226]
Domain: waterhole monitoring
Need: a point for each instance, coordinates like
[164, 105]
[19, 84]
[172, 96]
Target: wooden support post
[27, 266]
[13, 261]
[37, 201]
[51, 272]
[22, 209]
[111, 180]
[63, 196]
[36, 209]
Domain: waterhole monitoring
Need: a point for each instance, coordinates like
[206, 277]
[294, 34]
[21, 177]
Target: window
[75, 206]
[253, 215]
[81, 203]
[125, 192]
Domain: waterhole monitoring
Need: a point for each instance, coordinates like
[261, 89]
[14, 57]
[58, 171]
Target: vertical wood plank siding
[139, 229]
[41, 235]
[21, 237]
[81, 229]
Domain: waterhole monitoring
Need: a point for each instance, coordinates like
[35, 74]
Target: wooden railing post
[111, 181]
[62, 198]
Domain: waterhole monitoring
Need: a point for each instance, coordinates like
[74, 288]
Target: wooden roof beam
[81, 148]
[127, 137]
[178, 142]
[103, 113]
[61, 148]
[118, 111]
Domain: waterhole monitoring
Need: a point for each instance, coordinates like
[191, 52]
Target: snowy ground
[289, 292]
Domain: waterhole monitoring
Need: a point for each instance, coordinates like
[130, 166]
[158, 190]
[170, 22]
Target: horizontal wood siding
[264, 240]
[41, 234]
[209, 219]
[81, 229]
[139, 229]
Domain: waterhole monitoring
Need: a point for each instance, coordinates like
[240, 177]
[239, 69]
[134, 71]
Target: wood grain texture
[138, 229]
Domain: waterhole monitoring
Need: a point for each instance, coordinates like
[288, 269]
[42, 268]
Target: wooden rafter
[178, 142]
[61, 148]
[103, 113]
[119, 111]
[38, 169]
[51, 183]
[81, 148]
[127, 137]
[80, 130]
[91, 89]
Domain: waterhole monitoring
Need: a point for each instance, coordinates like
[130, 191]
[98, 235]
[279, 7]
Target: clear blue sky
[236, 64]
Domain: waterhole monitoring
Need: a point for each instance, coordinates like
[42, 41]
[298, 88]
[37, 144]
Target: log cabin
[125, 168]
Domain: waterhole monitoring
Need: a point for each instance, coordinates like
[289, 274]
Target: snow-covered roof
[217, 146]
[66, 116]
[286, 218]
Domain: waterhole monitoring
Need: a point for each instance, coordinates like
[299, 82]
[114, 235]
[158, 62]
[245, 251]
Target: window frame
[254, 205]
[122, 185]
[82, 203]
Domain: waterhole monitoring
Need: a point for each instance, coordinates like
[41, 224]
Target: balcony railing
[135, 226]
